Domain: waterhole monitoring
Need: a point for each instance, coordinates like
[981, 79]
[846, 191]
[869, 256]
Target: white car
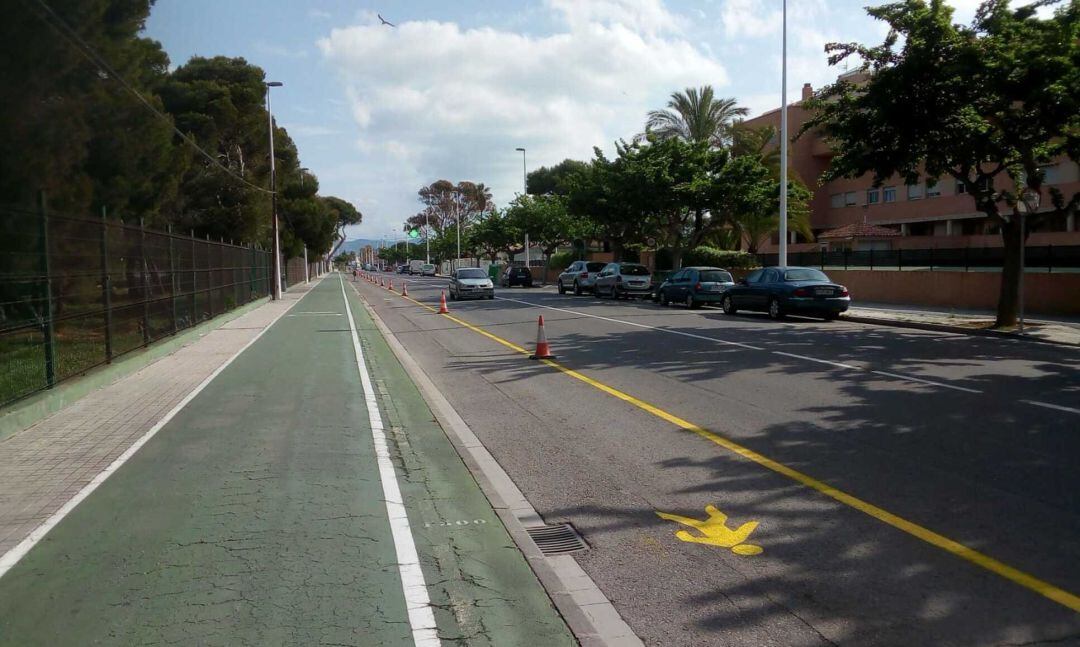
[623, 280]
[471, 282]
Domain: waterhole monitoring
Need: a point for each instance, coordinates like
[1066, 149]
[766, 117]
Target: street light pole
[783, 147]
[524, 192]
[1030, 201]
[276, 288]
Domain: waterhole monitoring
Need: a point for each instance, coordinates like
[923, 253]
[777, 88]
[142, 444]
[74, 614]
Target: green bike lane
[257, 516]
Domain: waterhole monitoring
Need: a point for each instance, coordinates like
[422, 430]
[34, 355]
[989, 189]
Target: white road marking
[819, 361]
[635, 324]
[17, 552]
[417, 602]
[1047, 405]
[924, 381]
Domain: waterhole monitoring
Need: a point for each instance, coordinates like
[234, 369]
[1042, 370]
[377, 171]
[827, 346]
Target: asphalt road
[910, 488]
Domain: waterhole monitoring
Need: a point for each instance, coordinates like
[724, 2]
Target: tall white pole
[458, 259]
[783, 148]
[275, 291]
[307, 268]
[427, 237]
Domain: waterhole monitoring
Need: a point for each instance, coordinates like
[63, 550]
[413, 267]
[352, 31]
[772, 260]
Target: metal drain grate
[558, 539]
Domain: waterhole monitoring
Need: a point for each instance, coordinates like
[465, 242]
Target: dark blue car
[787, 290]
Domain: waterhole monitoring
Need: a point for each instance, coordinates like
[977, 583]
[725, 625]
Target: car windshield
[594, 267]
[715, 276]
[428, 267]
[634, 270]
[805, 274]
[472, 273]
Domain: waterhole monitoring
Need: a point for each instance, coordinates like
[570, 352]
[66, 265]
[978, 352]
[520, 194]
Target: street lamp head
[520, 150]
[274, 84]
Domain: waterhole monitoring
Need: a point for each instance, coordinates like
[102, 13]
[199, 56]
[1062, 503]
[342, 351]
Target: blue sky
[457, 86]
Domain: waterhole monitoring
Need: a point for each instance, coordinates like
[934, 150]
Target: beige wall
[1052, 293]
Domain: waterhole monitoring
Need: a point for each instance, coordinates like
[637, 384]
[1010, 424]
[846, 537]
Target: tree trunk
[676, 258]
[1009, 297]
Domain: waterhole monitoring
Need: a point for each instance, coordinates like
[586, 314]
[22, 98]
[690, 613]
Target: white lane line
[1047, 405]
[852, 367]
[819, 361]
[417, 602]
[17, 552]
[635, 324]
[924, 381]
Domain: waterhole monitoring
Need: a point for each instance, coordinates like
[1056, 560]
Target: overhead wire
[88, 51]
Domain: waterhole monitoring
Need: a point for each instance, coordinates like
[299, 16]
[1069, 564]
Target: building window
[872, 196]
[889, 194]
[849, 199]
[836, 200]
[914, 192]
[933, 189]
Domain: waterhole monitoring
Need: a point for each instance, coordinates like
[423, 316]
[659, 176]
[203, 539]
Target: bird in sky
[385, 21]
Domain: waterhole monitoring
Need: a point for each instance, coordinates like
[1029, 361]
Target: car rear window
[520, 271]
[594, 267]
[472, 274]
[715, 276]
[805, 274]
[634, 270]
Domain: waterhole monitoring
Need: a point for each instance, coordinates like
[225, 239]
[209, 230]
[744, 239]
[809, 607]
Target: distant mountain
[358, 244]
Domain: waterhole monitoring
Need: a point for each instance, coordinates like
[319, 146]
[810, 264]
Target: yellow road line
[958, 549]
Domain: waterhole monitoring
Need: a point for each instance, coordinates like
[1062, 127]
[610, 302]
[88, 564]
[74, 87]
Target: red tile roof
[858, 230]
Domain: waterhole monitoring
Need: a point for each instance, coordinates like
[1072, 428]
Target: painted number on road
[713, 530]
[459, 522]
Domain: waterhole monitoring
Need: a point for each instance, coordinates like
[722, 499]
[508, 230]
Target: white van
[416, 267]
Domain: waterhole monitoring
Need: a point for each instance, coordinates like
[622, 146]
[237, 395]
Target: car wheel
[664, 298]
[691, 302]
[728, 304]
[774, 310]
[562, 290]
[577, 289]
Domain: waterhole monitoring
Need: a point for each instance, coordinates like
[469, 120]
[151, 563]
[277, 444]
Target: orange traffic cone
[543, 351]
[443, 310]
[404, 289]
[391, 288]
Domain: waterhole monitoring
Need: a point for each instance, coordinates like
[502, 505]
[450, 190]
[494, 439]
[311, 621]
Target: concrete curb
[960, 330]
[34, 408]
[587, 611]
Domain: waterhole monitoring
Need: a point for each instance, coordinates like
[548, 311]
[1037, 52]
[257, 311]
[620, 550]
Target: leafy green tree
[491, 235]
[596, 196]
[696, 115]
[71, 129]
[545, 180]
[546, 220]
[343, 214]
[987, 104]
[446, 203]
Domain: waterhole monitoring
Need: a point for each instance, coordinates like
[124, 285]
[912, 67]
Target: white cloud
[319, 14]
[432, 100]
[749, 18]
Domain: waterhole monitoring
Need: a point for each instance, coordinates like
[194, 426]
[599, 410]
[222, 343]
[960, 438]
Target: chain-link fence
[78, 292]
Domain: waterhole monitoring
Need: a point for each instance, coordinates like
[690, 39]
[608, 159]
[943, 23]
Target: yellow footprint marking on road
[714, 531]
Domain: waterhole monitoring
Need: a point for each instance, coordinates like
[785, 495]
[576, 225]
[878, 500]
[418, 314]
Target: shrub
[727, 259]
[561, 261]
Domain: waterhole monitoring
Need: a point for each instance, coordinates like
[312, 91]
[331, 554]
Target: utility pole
[276, 288]
[783, 148]
[524, 192]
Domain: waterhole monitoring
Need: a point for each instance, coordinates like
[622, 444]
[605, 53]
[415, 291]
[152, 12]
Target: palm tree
[696, 115]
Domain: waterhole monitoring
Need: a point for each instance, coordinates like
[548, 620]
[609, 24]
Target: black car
[695, 286]
[517, 275]
[787, 290]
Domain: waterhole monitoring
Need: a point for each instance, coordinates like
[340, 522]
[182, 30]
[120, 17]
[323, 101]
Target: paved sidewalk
[44, 466]
[1060, 330]
[261, 513]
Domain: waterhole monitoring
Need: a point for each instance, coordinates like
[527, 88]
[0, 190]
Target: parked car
[627, 280]
[415, 267]
[403, 269]
[517, 275]
[469, 282]
[427, 269]
[787, 290]
[695, 286]
[580, 276]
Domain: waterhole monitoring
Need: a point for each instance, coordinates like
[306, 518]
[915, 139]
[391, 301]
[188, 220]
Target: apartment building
[934, 212]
